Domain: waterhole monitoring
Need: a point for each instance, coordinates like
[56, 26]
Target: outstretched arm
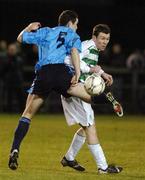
[108, 78]
[98, 70]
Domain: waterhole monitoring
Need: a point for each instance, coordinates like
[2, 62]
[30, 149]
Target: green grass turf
[48, 139]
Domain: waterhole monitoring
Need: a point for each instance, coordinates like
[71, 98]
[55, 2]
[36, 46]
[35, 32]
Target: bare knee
[80, 92]
[81, 132]
[91, 134]
[32, 105]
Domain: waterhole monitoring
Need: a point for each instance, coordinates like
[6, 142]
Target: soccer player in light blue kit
[51, 72]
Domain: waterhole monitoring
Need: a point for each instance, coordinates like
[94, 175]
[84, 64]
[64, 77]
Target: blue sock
[20, 132]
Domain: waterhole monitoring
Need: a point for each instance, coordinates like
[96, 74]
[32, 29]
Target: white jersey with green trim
[88, 58]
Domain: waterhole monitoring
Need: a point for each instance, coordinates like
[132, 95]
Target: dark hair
[104, 28]
[67, 16]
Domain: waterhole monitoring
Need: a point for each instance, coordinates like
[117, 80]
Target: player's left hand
[95, 69]
[74, 80]
[108, 79]
[33, 26]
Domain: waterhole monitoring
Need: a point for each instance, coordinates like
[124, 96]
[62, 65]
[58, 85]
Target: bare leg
[91, 134]
[33, 103]
[29, 97]
[95, 147]
[80, 92]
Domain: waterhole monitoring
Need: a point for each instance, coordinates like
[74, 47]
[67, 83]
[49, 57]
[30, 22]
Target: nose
[105, 43]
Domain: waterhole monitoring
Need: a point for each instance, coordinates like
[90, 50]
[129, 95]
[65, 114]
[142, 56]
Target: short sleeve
[34, 37]
[74, 41]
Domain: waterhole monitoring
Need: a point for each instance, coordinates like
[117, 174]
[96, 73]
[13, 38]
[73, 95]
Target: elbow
[19, 39]
[74, 50]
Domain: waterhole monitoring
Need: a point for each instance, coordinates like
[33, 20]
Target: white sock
[75, 146]
[99, 156]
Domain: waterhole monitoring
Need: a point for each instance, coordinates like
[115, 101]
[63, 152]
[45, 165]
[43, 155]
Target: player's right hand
[33, 26]
[74, 80]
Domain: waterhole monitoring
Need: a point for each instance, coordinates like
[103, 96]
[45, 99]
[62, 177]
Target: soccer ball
[94, 85]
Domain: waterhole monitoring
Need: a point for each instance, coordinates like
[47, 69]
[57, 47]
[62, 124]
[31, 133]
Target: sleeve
[73, 41]
[84, 67]
[34, 37]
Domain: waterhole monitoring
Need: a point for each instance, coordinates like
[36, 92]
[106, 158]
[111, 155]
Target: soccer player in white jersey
[80, 112]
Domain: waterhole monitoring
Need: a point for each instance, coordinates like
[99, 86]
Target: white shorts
[77, 111]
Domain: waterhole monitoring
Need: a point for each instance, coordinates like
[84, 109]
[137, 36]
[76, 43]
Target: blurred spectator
[117, 56]
[3, 52]
[104, 57]
[14, 79]
[117, 60]
[19, 49]
[3, 46]
[135, 60]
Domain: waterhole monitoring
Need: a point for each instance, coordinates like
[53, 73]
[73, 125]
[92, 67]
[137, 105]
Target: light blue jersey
[54, 44]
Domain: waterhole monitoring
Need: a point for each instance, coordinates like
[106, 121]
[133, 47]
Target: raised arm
[31, 27]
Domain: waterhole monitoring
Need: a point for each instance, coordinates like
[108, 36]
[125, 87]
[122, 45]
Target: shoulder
[59, 29]
[68, 30]
[43, 32]
[72, 32]
[88, 44]
[44, 29]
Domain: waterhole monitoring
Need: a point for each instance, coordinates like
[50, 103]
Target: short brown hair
[67, 16]
[104, 28]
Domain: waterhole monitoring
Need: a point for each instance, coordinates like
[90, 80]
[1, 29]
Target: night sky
[126, 18]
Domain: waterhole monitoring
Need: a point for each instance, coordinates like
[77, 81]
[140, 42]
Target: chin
[104, 48]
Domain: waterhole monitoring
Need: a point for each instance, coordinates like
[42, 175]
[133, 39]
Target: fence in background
[128, 88]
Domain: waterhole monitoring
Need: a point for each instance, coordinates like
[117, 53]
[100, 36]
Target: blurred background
[124, 58]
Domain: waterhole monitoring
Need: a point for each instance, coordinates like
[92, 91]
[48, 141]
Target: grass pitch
[49, 137]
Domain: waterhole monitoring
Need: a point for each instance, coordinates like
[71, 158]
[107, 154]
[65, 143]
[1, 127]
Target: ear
[69, 24]
[94, 37]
